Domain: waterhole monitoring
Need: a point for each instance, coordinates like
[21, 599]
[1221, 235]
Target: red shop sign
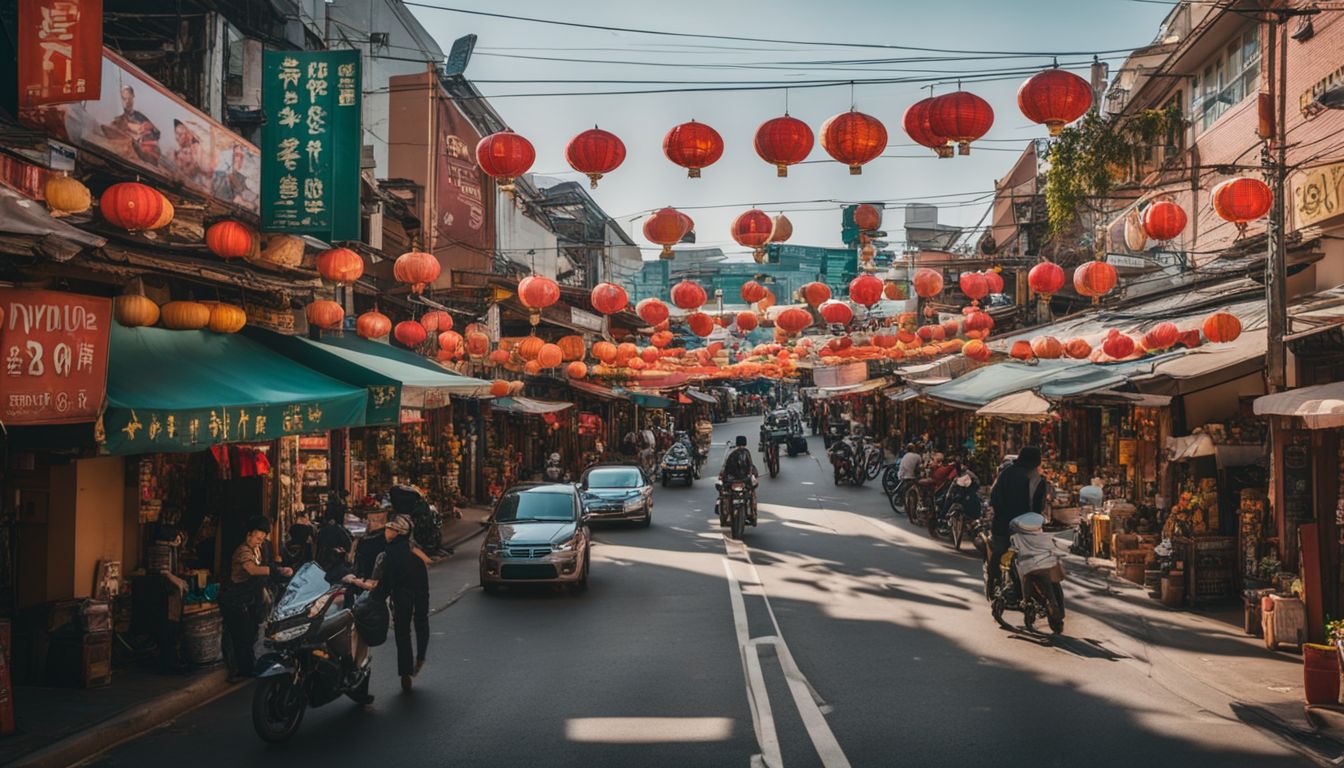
[60, 51]
[55, 356]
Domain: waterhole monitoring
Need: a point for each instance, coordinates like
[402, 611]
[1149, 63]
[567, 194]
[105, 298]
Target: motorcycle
[677, 465]
[962, 502]
[737, 498]
[870, 459]
[426, 521]
[772, 458]
[310, 641]
[1082, 536]
[1037, 596]
[843, 465]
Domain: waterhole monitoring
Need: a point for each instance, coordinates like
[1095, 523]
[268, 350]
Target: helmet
[1028, 523]
[555, 457]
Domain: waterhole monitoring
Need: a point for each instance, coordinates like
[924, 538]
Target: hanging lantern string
[851, 94]
[786, 101]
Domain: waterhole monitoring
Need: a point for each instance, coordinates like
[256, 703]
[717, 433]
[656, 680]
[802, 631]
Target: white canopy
[1319, 407]
[1018, 406]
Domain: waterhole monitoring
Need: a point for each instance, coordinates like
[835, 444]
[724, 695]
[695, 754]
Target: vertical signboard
[55, 356]
[463, 215]
[60, 51]
[311, 143]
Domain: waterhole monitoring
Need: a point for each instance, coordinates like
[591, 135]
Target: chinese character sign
[55, 356]
[311, 143]
[60, 51]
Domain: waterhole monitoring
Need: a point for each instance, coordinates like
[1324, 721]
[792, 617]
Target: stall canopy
[701, 397]
[853, 389]
[984, 385]
[1319, 407]
[395, 378]
[648, 399]
[174, 391]
[527, 405]
[596, 390]
[1201, 445]
[1019, 406]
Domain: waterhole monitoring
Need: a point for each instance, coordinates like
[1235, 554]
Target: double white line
[805, 697]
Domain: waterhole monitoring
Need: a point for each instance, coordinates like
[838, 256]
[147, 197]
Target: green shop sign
[310, 143]
[132, 430]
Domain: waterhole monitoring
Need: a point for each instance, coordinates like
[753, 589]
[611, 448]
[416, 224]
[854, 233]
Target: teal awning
[644, 400]
[985, 385]
[170, 391]
[394, 377]
[527, 405]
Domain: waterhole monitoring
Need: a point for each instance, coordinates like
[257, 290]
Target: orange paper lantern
[1222, 327]
[854, 139]
[325, 314]
[340, 266]
[373, 325]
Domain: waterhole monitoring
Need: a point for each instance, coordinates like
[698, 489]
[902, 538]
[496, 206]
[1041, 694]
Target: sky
[1073, 29]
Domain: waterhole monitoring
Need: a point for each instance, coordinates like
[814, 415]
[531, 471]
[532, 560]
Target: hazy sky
[647, 180]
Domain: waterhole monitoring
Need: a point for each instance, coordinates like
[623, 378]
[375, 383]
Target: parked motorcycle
[843, 466]
[962, 502]
[677, 465]
[310, 642]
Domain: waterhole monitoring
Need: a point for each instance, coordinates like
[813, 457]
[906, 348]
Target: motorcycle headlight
[292, 633]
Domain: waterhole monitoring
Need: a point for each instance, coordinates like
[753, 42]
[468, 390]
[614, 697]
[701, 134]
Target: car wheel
[489, 587]
[580, 586]
[648, 518]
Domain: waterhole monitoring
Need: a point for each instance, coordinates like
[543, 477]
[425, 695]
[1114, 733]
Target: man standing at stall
[244, 599]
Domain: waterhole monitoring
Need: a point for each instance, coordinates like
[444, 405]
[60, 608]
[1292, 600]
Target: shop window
[1225, 81]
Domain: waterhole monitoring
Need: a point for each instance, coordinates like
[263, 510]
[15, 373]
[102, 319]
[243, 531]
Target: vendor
[245, 600]
[1092, 494]
[158, 599]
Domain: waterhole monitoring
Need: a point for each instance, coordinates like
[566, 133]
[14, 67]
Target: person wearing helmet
[738, 466]
[1018, 490]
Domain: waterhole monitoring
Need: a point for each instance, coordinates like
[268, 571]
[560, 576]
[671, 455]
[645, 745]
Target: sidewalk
[62, 726]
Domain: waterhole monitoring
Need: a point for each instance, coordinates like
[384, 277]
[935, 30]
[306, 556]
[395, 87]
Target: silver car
[616, 492]
[538, 534]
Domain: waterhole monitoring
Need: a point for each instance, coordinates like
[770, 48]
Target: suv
[616, 492]
[538, 534]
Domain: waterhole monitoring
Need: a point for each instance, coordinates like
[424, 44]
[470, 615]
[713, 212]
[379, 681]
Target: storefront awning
[173, 391]
[648, 399]
[901, 394]
[1201, 445]
[1019, 406]
[701, 397]
[596, 390]
[1319, 407]
[394, 377]
[852, 389]
[984, 385]
[527, 405]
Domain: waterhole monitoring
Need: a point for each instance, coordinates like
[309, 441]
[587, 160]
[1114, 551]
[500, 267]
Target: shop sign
[132, 430]
[279, 320]
[55, 352]
[1318, 194]
[460, 205]
[312, 144]
[1306, 101]
[585, 320]
[142, 124]
[59, 51]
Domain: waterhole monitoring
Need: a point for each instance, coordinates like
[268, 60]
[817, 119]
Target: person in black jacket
[1018, 490]
[405, 579]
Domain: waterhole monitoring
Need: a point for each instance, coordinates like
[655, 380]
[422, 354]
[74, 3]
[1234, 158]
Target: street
[834, 635]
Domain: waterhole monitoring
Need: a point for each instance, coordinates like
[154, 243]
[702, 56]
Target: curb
[130, 723]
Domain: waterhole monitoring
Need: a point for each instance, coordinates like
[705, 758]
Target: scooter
[844, 469]
[310, 639]
[677, 465]
[1036, 593]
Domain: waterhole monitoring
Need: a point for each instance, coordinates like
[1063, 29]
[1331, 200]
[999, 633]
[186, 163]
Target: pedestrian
[1018, 490]
[244, 599]
[300, 546]
[404, 578]
[372, 544]
[333, 541]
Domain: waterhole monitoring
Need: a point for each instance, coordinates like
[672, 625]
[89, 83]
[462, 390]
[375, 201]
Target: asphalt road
[836, 636]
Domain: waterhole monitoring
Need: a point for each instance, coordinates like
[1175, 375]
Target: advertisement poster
[55, 354]
[311, 141]
[141, 122]
[61, 60]
[464, 216]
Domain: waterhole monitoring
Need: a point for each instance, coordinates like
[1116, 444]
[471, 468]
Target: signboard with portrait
[461, 196]
[311, 142]
[55, 356]
[60, 51]
[142, 123]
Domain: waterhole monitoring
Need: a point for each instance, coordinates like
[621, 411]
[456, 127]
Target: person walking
[405, 579]
[244, 599]
[1018, 490]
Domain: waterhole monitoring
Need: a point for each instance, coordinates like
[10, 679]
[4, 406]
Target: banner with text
[60, 51]
[55, 349]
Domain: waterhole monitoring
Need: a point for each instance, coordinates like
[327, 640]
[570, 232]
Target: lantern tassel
[963, 148]
[781, 170]
[855, 170]
[693, 173]
[592, 180]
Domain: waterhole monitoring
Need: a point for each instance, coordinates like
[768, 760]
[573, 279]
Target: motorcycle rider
[908, 469]
[737, 466]
[1018, 490]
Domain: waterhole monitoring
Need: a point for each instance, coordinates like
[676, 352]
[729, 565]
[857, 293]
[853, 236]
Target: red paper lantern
[537, 292]
[1164, 220]
[1242, 200]
[815, 293]
[753, 291]
[325, 314]
[500, 356]
[962, 117]
[340, 266]
[782, 229]
[499, 388]
[1054, 98]
[651, 311]
[410, 333]
[595, 152]
[700, 324]
[416, 268]
[693, 146]
[1021, 350]
[666, 227]
[1118, 345]
[931, 333]
[927, 282]
[1161, 336]
[951, 328]
[1078, 349]
[649, 354]
[752, 229]
[1222, 327]
[854, 139]
[505, 156]
[836, 312]
[865, 290]
[867, 217]
[793, 320]
[661, 339]
[609, 298]
[373, 325]
[783, 141]
[1094, 279]
[229, 239]
[994, 280]
[894, 291]
[573, 347]
[976, 350]
[1047, 348]
[1046, 278]
[132, 206]
[977, 321]
[450, 343]
[746, 321]
[688, 295]
[436, 320]
[973, 285]
[530, 347]
[916, 123]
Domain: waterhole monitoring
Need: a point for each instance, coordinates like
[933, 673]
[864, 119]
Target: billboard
[55, 356]
[60, 52]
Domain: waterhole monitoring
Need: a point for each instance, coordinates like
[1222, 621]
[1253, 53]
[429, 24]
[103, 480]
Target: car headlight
[633, 504]
[493, 547]
[293, 633]
[565, 546]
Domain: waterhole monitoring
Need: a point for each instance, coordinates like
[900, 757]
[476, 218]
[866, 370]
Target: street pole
[1276, 260]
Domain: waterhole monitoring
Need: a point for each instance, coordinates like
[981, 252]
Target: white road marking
[648, 730]
[762, 718]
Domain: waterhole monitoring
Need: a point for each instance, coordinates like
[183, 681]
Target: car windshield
[622, 477]
[534, 506]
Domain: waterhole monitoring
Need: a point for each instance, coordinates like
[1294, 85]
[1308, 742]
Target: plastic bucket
[1320, 674]
[202, 631]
